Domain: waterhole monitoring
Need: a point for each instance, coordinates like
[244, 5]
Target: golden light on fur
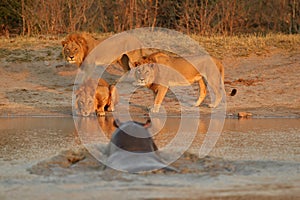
[150, 75]
[93, 97]
[77, 46]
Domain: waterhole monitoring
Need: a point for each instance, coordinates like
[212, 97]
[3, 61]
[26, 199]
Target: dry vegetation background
[258, 42]
[201, 17]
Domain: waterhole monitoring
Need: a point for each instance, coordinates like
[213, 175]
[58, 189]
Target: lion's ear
[63, 43]
[135, 64]
[125, 62]
[147, 124]
[117, 123]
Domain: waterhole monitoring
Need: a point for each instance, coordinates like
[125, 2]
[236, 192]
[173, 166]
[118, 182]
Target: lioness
[90, 99]
[150, 72]
[77, 46]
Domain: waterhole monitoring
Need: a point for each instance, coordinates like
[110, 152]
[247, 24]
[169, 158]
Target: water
[252, 159]
[251, 139]
[34, 137]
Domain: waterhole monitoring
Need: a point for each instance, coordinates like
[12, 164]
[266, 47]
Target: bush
[202, 17]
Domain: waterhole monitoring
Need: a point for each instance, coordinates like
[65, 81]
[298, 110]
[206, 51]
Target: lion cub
[90, 99]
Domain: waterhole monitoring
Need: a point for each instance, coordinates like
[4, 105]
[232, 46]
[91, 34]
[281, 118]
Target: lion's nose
[71, 57]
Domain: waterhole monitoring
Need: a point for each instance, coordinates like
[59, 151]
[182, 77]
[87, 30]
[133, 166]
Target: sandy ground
[267, 86]
[41, 85]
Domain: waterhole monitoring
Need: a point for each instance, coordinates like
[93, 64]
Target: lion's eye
[75, 49]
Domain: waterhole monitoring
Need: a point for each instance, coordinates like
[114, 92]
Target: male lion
[77, 46]
[90, 99]
[150, 72]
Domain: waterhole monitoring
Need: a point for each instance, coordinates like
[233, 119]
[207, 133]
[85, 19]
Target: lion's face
[85, 103]
[144, 74]
[75, 49]
[73, 52]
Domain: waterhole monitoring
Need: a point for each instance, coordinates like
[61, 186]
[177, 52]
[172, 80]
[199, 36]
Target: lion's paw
[211, 105]
[100, 113]
[155, 108]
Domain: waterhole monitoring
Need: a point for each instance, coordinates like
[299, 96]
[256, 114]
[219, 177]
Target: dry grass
[42, 48]
[29, 49]
[239, 46]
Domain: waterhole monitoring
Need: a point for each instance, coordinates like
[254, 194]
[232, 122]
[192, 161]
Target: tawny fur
[150, 75]
[96, 97]
[77, 46]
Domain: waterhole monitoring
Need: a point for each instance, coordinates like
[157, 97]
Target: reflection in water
[94, 130]
[271, 139]
[34, 137]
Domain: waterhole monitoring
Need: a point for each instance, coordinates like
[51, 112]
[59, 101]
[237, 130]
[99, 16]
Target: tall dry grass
[27, 49]
[245, 45]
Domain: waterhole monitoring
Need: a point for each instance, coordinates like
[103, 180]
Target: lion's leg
[111, 107]
[217, 101]
[203, 92]
[217, 88]
[161, 93]
[99, 107]
[95, 105]
[100, 110]
[113, 98]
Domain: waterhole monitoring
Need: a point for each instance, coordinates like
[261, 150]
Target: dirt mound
[80, 160]
[66, 163]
